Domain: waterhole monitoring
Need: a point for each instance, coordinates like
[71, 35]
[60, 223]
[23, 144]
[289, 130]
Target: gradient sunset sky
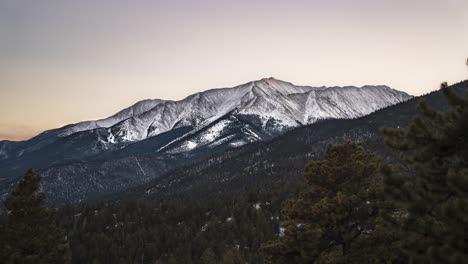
[64, 61]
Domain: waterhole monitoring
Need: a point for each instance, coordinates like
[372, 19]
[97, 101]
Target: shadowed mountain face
[152, 137]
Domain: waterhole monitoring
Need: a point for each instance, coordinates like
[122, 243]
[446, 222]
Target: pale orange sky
[64, 61]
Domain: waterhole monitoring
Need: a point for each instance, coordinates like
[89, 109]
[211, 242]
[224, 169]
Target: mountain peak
[276, 86]
[271, 80]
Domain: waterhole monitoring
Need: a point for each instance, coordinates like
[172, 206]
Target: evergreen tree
[432, 184]
[30, 233]
[338, 209]
[208, 257]
[232, 257]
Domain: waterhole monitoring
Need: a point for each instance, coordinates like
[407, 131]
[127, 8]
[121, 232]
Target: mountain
[278, 164]
[155, 136]
[276, 105]
[9, 149]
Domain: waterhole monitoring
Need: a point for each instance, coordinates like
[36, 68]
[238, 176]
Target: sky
[65, 61]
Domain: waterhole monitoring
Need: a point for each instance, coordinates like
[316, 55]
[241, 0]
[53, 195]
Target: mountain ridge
[163, 133]
[106, 123]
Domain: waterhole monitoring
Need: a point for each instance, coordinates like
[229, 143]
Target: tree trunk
[345, 248]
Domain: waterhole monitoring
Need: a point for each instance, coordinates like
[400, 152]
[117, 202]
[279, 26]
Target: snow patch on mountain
[214, 132]
[237, 144]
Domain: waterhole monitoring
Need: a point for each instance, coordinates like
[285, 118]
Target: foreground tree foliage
[431, 185]
[337, 212]
[30, 234]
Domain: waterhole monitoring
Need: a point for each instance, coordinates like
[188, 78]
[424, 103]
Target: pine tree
[208, 257]
[232, 257]
[338, 209]
[431, 185]
[31, 234]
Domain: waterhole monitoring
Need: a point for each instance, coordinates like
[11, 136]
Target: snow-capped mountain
[153, 137]
[274, 106]
[228, 117]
